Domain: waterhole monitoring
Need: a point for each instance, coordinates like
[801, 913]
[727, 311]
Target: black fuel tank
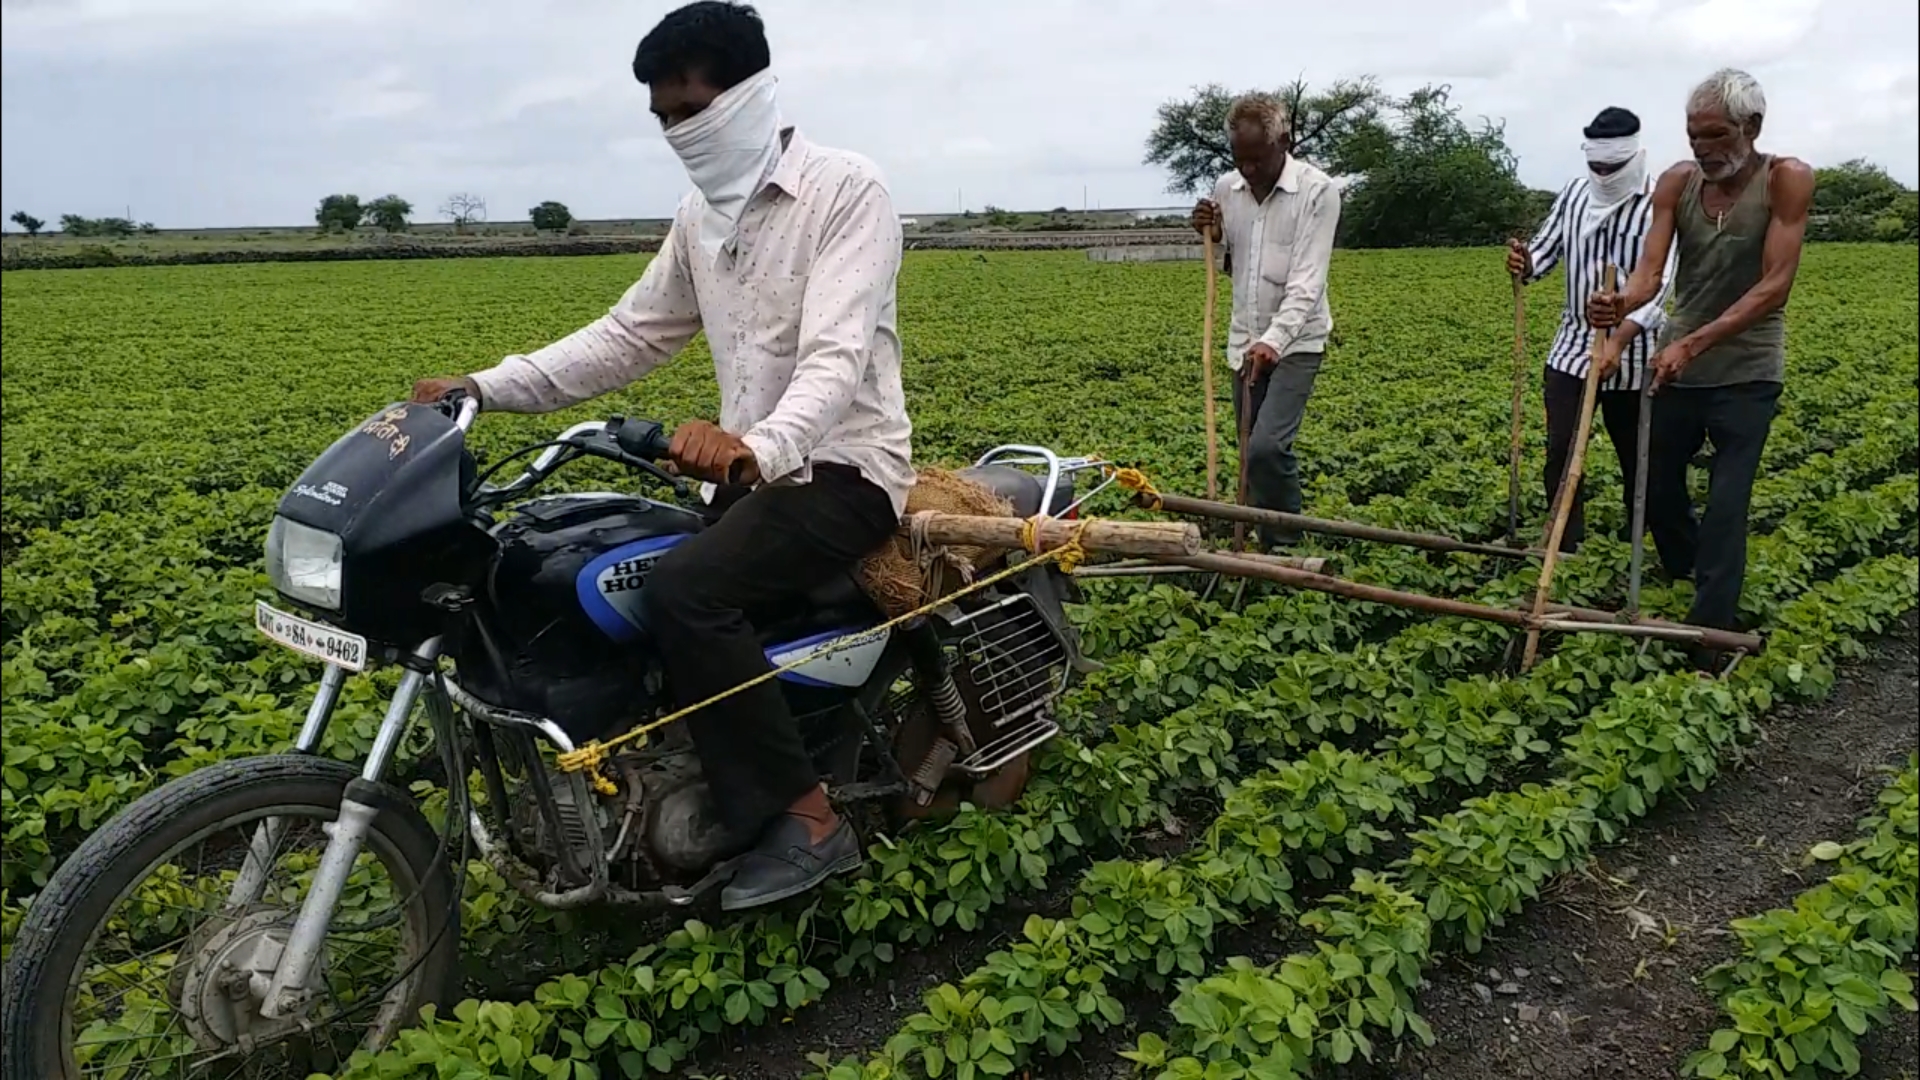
[570, 567]
[563, 608]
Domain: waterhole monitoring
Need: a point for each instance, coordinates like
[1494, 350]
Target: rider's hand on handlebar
[431, 391]
[704, 452]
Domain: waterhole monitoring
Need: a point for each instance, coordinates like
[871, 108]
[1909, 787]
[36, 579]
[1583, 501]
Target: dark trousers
[1713, 548]
[767, 549]
[1269, 411]
[1620, 412]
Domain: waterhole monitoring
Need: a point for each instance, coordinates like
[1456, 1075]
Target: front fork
[289, 986]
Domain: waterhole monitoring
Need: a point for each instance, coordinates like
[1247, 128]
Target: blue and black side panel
[609, 586]
[846, 668]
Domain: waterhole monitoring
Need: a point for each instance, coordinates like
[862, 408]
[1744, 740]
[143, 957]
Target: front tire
[51, 952]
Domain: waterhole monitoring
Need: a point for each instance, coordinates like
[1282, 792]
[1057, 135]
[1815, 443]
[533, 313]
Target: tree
[1901, 222]
[340, 213]
[1338, 129]
[27, 221]
[1438, 183]
[390, 212]
[550, 216]
[75, 225]
[463, 209]
[1856, 201]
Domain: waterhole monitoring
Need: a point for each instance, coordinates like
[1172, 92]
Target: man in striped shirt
[1598, 219]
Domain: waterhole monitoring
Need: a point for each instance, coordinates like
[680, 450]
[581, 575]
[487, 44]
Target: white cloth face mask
[728, 148]
[1609, 190]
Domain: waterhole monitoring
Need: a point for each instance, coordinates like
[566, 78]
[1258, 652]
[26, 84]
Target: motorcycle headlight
[305, 563]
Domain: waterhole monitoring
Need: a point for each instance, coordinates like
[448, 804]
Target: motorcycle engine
[663, 825]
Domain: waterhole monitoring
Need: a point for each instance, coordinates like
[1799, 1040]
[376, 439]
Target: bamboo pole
[1206, 368]
[1156, 538]
[1243, 396]
[1316, 564]
[1642, 443]
[1253, 515]
[1569, 488]
[1519, 396]
[1721, 640]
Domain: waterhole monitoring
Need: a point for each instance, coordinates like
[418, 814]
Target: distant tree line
[335, 213]
[391, 213]
[75, 225]
[1419, 175]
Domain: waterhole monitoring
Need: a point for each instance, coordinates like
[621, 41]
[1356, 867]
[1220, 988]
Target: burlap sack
[892, 576]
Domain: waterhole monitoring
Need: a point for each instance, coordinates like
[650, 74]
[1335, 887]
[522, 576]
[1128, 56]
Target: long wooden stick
[1720, 640]
[1158, 538]
[1569, 486]
[1206, 368]
[1519, 394]
[1254, 515]
[1243, 397]
[1642, 444]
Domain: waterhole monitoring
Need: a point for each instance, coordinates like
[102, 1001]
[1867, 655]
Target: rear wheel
[146, 954]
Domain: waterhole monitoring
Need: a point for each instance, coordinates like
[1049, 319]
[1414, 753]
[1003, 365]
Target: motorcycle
[517, 628]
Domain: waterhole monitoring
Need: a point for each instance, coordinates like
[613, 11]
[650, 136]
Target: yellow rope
[1135, 480]
[1069, 555]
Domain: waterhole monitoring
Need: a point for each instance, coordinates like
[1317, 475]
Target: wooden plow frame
[1152, 548]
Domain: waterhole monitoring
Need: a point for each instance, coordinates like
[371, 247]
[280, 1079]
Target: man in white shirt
[1276, 216]
[786, 255]
[1603, 216]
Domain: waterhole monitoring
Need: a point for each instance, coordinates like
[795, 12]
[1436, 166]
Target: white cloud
[385, 94]
[1011, 102]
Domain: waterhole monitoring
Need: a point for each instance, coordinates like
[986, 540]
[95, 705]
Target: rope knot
[588, 759]
[1069, 554]
[1135, 480]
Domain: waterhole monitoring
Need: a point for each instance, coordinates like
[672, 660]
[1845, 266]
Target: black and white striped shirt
[1618, 239]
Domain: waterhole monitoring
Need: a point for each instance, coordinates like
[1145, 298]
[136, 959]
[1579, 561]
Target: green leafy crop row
[1813, 977]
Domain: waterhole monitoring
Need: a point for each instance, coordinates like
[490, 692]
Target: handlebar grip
[643, 439]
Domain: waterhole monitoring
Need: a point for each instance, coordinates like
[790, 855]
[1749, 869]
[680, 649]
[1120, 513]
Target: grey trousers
[1270, 410]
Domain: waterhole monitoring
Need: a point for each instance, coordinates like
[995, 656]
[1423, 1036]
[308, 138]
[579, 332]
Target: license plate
[304, 636]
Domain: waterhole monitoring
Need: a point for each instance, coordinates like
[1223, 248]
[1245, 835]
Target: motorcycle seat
[1020, 487]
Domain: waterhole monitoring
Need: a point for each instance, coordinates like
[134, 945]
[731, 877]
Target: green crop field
[1382, 782]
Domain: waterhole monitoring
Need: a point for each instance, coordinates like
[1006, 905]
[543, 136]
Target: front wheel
[147, 953]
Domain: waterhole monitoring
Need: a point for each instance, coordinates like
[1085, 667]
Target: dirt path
[1596, 982]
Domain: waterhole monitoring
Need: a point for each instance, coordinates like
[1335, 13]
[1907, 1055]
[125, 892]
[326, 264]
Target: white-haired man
[1276, 216]
[1736, 220]
[1599, 218]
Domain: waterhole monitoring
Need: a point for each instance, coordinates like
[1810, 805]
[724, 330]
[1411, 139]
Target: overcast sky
[239, 112]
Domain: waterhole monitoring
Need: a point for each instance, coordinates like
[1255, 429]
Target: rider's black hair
[725, 44]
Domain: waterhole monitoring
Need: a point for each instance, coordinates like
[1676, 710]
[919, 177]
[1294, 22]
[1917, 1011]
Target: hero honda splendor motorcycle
[399, 553]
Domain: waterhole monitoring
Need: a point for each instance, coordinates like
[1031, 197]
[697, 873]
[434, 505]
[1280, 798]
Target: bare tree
[463, 210]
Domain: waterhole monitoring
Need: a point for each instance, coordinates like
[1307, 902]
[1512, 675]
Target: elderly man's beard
[1722, 168]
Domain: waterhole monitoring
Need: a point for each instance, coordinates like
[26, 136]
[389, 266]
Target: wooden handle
[1519, 397]
[1167, 539]
[1569, 485]
[1206, 368]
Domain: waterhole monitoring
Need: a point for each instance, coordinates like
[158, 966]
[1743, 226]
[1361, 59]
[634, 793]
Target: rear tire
[65, 918]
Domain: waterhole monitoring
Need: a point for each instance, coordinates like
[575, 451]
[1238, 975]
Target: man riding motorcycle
[786, 254]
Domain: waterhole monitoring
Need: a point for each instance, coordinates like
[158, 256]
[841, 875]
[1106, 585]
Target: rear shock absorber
[935, 683]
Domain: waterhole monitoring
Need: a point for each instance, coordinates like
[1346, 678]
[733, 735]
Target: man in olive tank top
[1738, 218]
